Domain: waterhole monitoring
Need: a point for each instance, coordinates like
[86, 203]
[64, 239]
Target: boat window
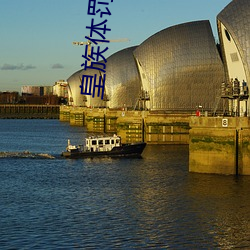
[107, 142]
[117, 141]
[100, 142]
[112, 142]
[94, 142]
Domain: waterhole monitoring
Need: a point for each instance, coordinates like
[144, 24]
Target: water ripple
[148, 203]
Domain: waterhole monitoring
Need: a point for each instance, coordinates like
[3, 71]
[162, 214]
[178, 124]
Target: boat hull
[126, 150]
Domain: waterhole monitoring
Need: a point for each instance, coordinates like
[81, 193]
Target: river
[48, 202]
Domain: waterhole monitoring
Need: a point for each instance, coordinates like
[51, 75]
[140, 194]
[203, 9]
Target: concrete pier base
[64, 114]
[95, 120]
[219, 145]
[132, 126]
[167, 129]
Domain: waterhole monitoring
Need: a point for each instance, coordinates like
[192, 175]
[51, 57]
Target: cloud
[7, 66]
[57, 66]
[27, 67]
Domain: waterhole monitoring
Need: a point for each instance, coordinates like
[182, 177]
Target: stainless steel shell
[236, 18]
[75, 96]
[123, 83]
[181, 67]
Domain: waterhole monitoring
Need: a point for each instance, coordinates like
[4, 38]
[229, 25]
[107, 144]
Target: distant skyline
[36, 35]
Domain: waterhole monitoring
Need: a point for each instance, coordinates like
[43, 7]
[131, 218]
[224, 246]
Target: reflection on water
[224, 201]
[148, 203]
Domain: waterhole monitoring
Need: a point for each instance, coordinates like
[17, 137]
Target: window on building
[227, 35]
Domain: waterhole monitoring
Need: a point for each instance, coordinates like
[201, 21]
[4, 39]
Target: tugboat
[96, 146]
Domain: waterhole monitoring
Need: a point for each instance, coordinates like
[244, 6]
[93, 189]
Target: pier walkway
[25, 111]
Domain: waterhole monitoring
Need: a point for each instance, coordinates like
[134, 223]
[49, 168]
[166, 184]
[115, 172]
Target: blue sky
[36, 35]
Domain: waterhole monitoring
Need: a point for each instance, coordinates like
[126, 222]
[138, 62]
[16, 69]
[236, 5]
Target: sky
[36, 35]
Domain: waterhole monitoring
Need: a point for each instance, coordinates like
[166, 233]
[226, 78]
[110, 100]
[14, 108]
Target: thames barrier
[179, 86]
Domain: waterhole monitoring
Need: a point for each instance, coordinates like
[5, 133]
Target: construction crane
[89, 43]
[112, 41]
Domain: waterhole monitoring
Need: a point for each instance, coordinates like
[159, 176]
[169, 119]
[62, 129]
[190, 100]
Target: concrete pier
[219, 145]
[132, 126]
[18, 111]
[167, 129]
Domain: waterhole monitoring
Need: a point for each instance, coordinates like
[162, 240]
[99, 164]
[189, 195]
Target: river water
[150, 203]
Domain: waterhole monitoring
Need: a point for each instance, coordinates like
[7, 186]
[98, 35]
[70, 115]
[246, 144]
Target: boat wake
[26, 154]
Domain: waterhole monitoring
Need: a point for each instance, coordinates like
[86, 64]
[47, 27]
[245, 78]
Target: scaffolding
[232, 94]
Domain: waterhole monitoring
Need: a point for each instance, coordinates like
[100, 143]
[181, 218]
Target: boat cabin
[104, 143]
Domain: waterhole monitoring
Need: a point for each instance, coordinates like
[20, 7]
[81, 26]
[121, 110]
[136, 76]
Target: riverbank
[25, 111]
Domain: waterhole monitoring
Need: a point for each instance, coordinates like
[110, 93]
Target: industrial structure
[75, 96]
[38, 95]
[180, 69]
[123, 84]
[169, 76]
[221, 145]
[234, 33]
[177, 69]
[36, 90]
[60, 89]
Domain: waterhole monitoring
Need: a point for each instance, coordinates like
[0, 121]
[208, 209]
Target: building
[176, 70]
[9, 97]
[38, 95]
[60, 89]
[234, 33]
[75, 99]
[180, 68]
[74, 90]
[123, 84]
[37, 90]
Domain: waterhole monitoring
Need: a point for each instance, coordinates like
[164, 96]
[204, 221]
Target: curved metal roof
[74, 83]
[236, 18]
[180, 67]
[74, 91]
[123, 84]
